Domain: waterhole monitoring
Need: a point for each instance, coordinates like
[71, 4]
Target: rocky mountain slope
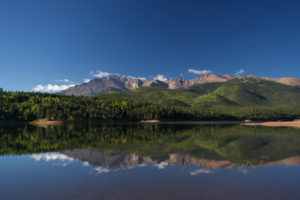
[117, 161]
[243, 91]
[125, 83]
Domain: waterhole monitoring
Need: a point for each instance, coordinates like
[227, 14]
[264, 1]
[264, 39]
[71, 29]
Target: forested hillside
[236, 92]
[253, 92]
[21, 106]
[157, 95]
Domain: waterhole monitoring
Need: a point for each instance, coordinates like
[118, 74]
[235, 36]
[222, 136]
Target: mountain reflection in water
[149, 161]
[120, 146]
[119, 161]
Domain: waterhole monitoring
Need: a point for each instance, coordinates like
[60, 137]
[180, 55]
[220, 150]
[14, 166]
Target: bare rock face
[177, 83]
[115, 161]
[155, 83]
[124, 161]
[288, 81]
[98, 85]
[123, 83]
[208, 78]
[284, 80]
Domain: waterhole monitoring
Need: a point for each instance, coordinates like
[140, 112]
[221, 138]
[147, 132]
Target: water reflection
[51, 156]
[136, 161]
[60, 159]
[124, 146]
[104, 162]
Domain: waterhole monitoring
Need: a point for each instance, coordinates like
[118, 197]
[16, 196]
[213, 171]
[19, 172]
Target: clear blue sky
[46, 40]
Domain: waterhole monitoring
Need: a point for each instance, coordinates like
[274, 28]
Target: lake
[149, 161]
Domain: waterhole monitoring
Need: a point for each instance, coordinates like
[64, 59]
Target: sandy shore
[150, 121]
[50, 122]
[46, 122]
[275, 124]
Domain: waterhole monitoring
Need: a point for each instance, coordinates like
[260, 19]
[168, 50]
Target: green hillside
[236, 92]
[157, 95]
[204, 88]
[254, 92]
[212, 99]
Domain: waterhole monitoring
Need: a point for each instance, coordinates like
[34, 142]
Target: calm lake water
[149, 161]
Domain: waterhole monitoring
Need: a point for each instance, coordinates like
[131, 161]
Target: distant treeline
[23, 106]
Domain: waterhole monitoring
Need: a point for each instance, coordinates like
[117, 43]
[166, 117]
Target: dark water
[161, 161]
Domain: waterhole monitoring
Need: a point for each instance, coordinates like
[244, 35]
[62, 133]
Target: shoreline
[58, 122]
[44, 122]
[295, 124]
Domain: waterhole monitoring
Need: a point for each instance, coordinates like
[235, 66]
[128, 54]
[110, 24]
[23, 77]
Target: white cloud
[199, 72]
[137, 166]
[51, 88]
[201, 171]
[68, 83]
[243, 170]
[64, 80]
[240, 72]
[86, 80]
[140, 78]
[85, 163]
[51, 156]
[64, 164]
[101, 74]
[162, 165]
[160, 77]
[101, 170]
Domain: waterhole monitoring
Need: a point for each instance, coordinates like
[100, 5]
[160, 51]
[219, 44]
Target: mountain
[125, 83]
[242, 91]
[178, 83]
[119, 161]
[110, 83]
[251, 91]
[284, 80]
[203, 145]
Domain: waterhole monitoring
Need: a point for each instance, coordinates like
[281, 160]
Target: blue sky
[47, 41]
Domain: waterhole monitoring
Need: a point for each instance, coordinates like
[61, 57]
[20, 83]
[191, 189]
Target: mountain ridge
[119, 161]
[244, 91]
[125, 83]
